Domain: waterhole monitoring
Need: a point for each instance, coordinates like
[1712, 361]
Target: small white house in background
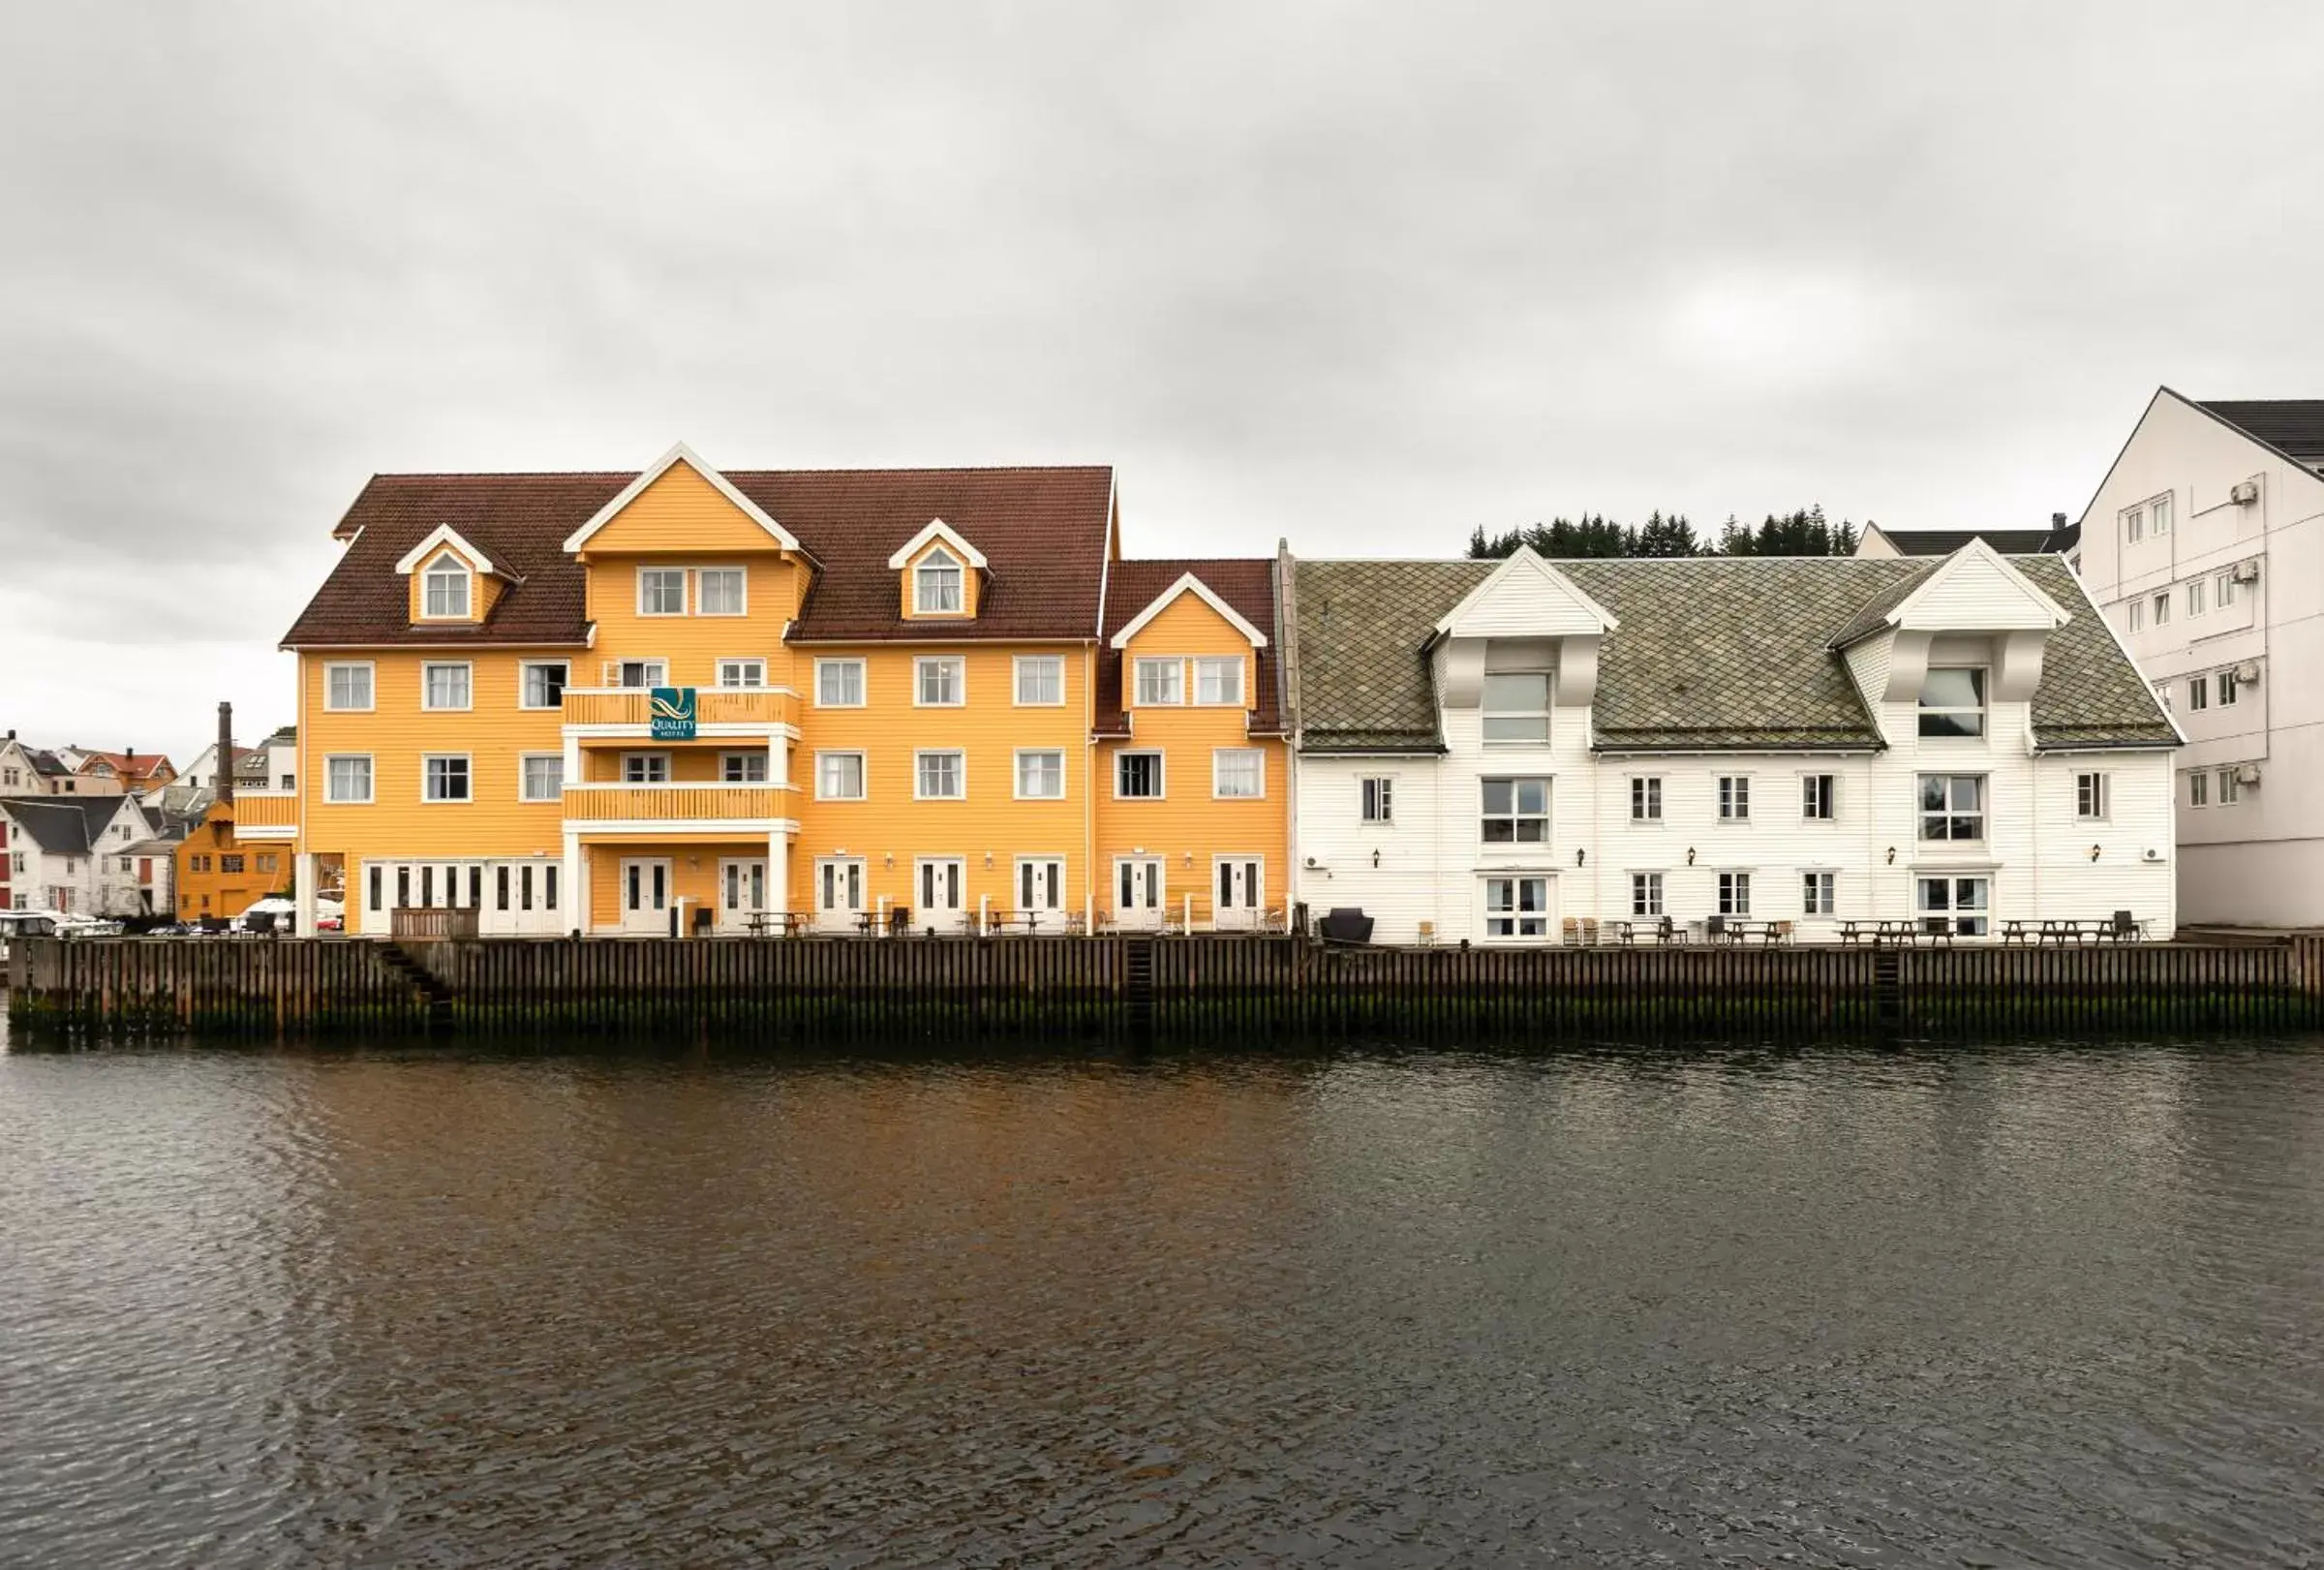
[92, 856]
[1485, 749]
[2204, 547]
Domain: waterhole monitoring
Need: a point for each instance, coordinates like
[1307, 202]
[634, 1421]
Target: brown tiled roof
[1042, 531]
[1245, 582]
[128, 765]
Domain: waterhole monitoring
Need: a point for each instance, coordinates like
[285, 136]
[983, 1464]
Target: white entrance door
[939, 895]
[839, 892]
[1137, 892]
[742, 890]
[1041, 891]
[1238, 890]
[646, 896]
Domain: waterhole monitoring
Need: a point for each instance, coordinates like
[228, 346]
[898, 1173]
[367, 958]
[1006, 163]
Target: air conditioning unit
[2247, 774]
[2149, 854]
[2246, 674]
[2243, 492]
[2248, 571]
[1315, 864]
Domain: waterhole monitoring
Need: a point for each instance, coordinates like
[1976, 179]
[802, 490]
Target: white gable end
[1526, 597]
[1976, 590]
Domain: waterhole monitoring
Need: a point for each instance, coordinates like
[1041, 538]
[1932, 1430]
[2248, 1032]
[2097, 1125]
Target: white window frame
[1218, 758]
[1981, 915]
[863, 683]
[2134, 523]
[1173, 664]
[330, 780]
[468, 765]
[1486, 714]
[2198, 788]
[1376, 800]
[2227, 690]
[1981, 678]
[1733, 798]
[524, 776]
[2194, 596]
[2162, 608]
[457, 569]
[2159, 508]
[659, 667]
[1026, 665]
[2223, 589]
[2231, 788]
[922, 663]
[920, 757]
[1645, 798]
[748, 665]
[2198, 692]
[745, 756]
[742, 578]
[656, 574]
[1517, 816]
[2138, 615]
[930, 568]
[1206, 665]
[1923, 814]
[1161, 773]
[1025, 753]
[468, 681]
[1731, 892]
[669, 771]
[1819, 892]
[2091, 795]
[1514, 914]
[1827, 797]
[371, 687]
[524, 683]
[1646, 901]
[862, 773]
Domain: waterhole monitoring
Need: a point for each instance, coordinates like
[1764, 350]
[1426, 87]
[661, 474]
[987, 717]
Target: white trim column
[575, 914]
[778, 872]
[302, 893]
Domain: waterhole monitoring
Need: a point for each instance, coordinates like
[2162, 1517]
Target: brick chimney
[226, 752]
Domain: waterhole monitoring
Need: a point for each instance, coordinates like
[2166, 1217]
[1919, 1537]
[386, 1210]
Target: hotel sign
[672, 709]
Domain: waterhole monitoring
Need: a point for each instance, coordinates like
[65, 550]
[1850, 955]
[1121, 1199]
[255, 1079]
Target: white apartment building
[2205, 548]
[1485, 750]
[87, 855]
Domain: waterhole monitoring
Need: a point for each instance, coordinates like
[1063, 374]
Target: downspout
[1287, 702]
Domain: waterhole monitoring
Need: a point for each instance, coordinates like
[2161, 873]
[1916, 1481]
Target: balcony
[266, 815]
[712, 706]
[710, 805]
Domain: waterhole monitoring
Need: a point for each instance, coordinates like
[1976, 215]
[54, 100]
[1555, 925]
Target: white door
[646, 896]
[1137, 892]
[938, 895]
[839, 893]
[1041, 891]
[742, 890]
[1238, 890]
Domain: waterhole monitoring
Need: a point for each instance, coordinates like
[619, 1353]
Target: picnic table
[773, 923]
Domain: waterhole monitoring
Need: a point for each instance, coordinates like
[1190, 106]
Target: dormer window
[445, 589]
[937, 589]
[1952, 701]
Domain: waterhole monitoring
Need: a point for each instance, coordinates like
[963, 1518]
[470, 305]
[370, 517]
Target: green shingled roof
[1713, 652]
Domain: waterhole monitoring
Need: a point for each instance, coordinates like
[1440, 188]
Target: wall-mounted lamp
[2094, 852]
[889, 858]
[1689, 855]
[1581, 855]
[988, 861]
[1189, 858]
[1892, 855]
[1375, 861]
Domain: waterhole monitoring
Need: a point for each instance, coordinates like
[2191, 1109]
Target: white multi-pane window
[936, 584]
[1645, 894]
[2089, 795]
[1646, 799]
[543, 684]
[1815, 893]
[661, 591]
[1238, 772]
[2231, 688]
[445, 588]
[1376, 799]
[1952, 701]
[1040, 680]
[1041, 775]
[1161, 681]
[541, 776]
[2198, 693]
[939, 682]
[1955, 905]
[1734, 894]
[742, 768]
[1516, 812]
[444, 777]
[347, 779]
[2194, 598]
[2222, 589]
[1952, 807]
[2198, 789]
[1516, 706]
[839, 776]
[839, 684]
[2138, 615]
[445, 686]
[2161, 606]
[1734, 798]
[347, 686]
[2135, 524]
[742, 673]
[2158, 514]
[1138, 776]
[1516, 907]
[1219, 683]
[2231, 787]
[939, 775]
[721, 591]
[635, 673]
[645, 768]
[1819, 797]
[2163, 695]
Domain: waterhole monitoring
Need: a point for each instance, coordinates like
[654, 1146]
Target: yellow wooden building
[837, 701]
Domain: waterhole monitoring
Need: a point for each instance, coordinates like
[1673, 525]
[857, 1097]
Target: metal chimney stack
[226, 752]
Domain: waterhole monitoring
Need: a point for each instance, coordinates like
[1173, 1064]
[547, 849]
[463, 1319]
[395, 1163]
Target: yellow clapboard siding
[693, 644]
[680, 514]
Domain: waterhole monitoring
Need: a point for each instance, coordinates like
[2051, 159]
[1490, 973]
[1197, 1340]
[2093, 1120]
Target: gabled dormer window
[447, 589]
[937, 589]
[1952, 701]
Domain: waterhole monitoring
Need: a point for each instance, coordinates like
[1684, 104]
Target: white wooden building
[92, 856]
[1485, 749]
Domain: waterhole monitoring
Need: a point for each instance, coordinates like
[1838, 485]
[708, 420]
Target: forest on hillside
[1804, 532]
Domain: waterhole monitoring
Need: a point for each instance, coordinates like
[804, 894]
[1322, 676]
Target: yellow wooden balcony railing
[262, 811]
[712, 706]
[672, 803]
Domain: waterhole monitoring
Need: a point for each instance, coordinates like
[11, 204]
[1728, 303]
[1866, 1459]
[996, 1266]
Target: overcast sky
[1362, 277]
